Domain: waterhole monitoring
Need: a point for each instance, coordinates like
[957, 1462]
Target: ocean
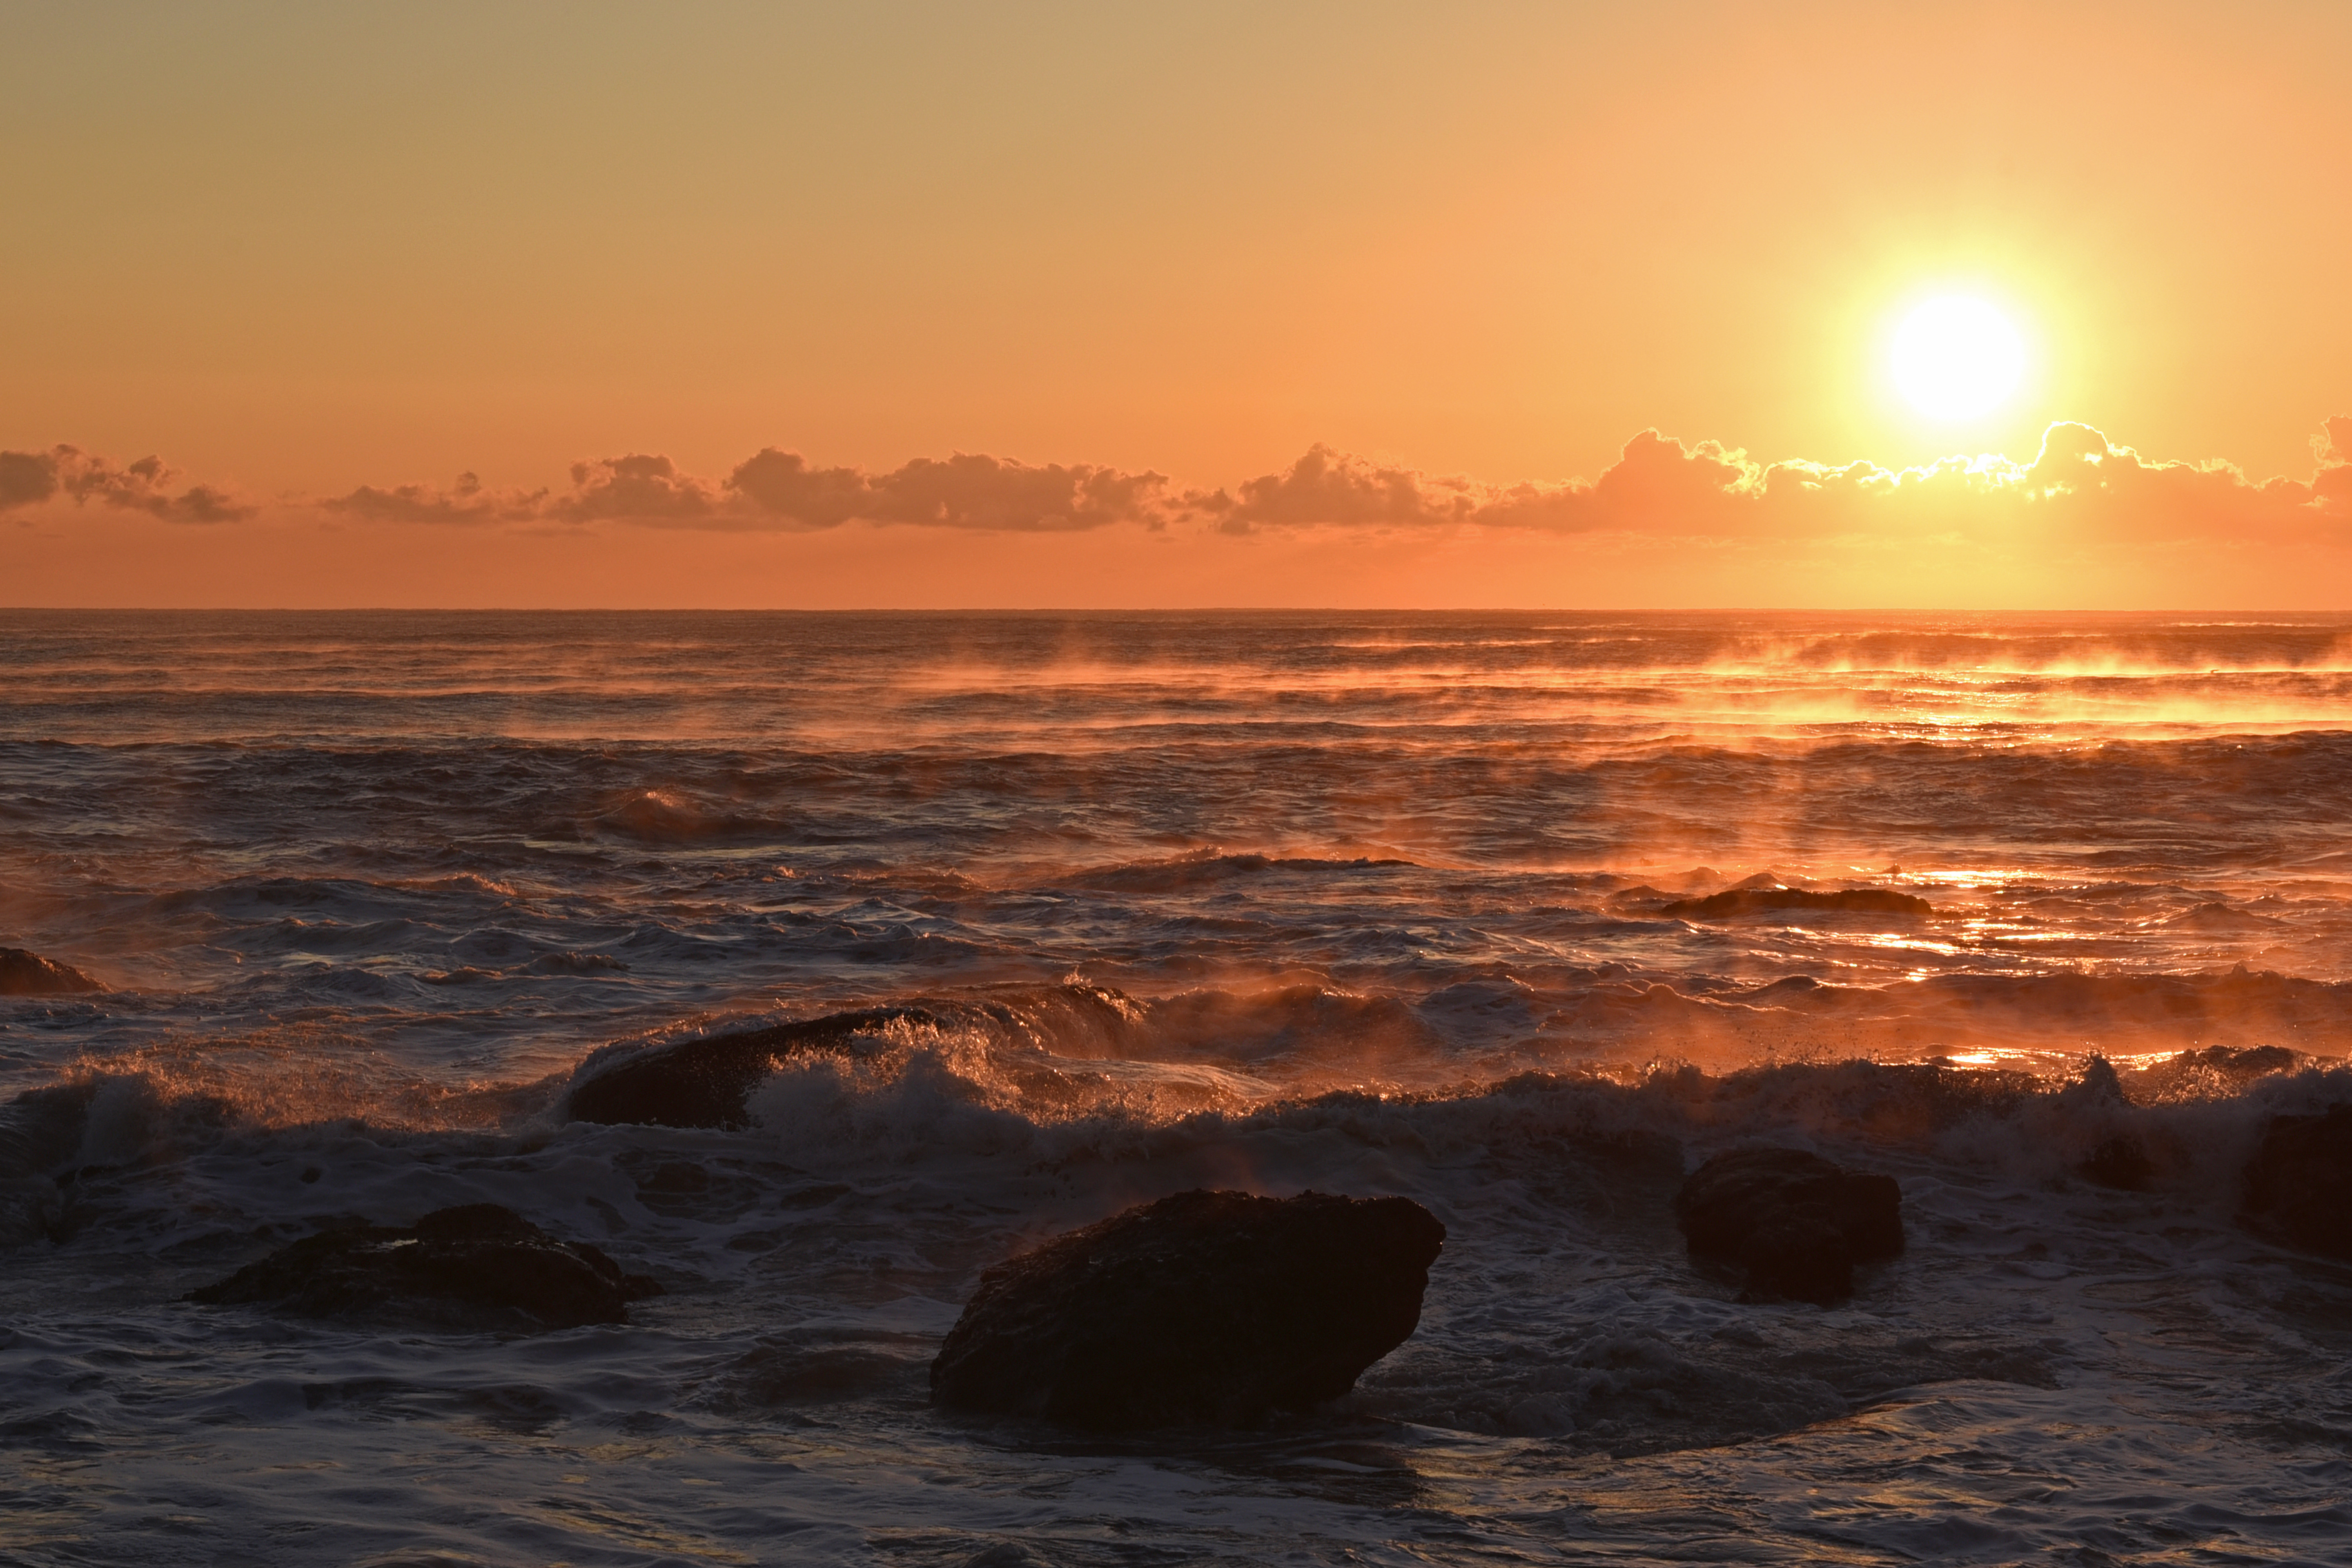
[1415, 904]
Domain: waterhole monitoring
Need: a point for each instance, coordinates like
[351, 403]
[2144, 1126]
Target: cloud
[2079, 481]
[967, 490]
[30, 479]
[466, 501]
[2332, 483]
[2333, 445]
[777, 489]
[27, 477]
[2079, 484]
[636, 488]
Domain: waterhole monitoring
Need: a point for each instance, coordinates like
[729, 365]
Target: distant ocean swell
[1521, 916]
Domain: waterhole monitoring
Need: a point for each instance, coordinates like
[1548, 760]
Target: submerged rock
[31, 1207]
[706, 1082]
[23, 973]
[477, 1268]
[1203, 1306]
[2121, 1162]
[1793, 1223]
[2299, 1182]
[1736, 901]
[40, 1132]
[2237, 1064]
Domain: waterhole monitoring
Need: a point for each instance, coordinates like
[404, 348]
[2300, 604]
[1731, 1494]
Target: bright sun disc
[1956, 358]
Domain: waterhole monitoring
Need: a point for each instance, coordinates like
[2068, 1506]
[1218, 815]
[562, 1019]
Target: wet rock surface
[480, 1267]
[2121, 1162]
[40, 1130]
[1205, 1307]
[1791, 1223]
[23, 973]
[706, 1082]
[2299, 1182]
[1736, 901]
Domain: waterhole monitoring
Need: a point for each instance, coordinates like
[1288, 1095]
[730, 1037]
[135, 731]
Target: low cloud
[2079, 484]
[465, 502]
[967, 490]
[781, 490]
[30, 479]
[1656, 484]
[638, 488]
[2079, 481]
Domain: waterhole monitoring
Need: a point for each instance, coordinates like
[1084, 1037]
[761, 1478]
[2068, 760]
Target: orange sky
[321, 261]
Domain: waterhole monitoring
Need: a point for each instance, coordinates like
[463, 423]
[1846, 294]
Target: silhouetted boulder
[2299, 1182]
[2120, 1163]
[40, 1129]
[1791, 1223]
[480, 1267]
[1737, 901]
[23, 973]
[705, 1082]
[1203, 1306]
[2239, 1063]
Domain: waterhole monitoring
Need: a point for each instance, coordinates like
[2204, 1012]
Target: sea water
[1361, 903]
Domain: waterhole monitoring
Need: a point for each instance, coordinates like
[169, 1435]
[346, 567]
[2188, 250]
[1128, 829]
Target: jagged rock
[1736, 901]
[42, 1128]
[31, 1207]
[1793, 1224]
[479, 1267]
[705, 1082]
[1008, 1554]
[1203, 1306]
[2299, 1182]
[2239, 1064]
[2120, 1163]
[23, 973]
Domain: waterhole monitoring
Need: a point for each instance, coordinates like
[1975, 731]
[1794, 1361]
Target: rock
[2120, 1163]
[31, 1207]
[1736, 901]
[477, 1269]
[23, 973]
[1203, 1306]
[1006, 1554]
[2299, 1182]
[1793, 1223]
[705, 1082]
[2238, 1065]
[41, 1128]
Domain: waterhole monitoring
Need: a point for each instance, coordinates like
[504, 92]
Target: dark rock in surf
[477, 1269]
[1205, 1307]
[1737, 901]
[1791, 1223]
[705, 1082]
[2299, 1182]
[2120, 1163]
[2237, 1064]
[1008, 1554]
[40, 1130]
[23, 973]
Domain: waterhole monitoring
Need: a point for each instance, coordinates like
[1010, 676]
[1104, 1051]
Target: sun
[1955, 357]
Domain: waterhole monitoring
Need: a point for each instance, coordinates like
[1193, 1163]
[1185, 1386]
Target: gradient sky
[321, 261]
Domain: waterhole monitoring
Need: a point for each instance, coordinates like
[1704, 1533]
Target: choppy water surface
[1365, 903]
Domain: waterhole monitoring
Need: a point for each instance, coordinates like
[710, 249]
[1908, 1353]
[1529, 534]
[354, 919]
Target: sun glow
[1955, 357]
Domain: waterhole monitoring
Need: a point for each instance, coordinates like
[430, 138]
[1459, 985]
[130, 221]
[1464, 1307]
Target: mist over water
[1502, 913]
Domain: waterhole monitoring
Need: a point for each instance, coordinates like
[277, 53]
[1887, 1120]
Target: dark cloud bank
[28, 479]
[1658, 486]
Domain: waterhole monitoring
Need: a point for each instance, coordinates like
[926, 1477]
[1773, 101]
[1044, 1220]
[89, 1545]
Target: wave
[1077, 1071]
